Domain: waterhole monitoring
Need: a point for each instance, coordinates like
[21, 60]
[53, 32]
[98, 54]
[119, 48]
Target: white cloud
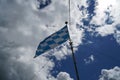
[100, 9]
[117, 36]
[111, 74]
[90, 59]
[63, 76]
[105, 30]
[23, 26]
[111, 6]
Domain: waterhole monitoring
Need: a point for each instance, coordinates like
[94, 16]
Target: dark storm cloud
[12, 15]
[10, 12]
[10, 67]
[17, 24]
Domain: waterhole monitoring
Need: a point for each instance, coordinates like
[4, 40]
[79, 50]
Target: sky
[94, 30]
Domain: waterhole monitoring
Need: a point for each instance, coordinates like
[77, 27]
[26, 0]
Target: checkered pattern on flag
[53, 41]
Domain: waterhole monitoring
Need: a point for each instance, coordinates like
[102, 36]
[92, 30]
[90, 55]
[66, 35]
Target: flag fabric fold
[53, 41]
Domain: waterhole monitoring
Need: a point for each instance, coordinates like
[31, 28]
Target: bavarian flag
[53, 41]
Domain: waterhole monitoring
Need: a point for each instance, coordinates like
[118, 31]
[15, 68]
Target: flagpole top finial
[66, 22]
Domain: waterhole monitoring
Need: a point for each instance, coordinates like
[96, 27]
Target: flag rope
[69, 13]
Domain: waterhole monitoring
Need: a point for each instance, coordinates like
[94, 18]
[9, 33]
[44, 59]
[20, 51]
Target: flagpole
[74, 60]
[71, 45]
[73, 56]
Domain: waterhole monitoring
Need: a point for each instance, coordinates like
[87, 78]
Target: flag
[53, 41]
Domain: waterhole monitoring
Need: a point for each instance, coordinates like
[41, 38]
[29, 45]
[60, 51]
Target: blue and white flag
[53, 41]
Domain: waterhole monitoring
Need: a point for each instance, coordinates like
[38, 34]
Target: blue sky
[105, 50]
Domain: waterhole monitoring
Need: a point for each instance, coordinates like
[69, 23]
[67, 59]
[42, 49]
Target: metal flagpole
[71, 44]
[74, 60]
[73, 56]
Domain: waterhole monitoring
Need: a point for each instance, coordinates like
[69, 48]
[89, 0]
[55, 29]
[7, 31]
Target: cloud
[107, 17]
[90, 59]
[63, 76]
[11, 67]
[106, 30]
[22, 27]
[100, 9]
[111, 74]
[117, 36]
